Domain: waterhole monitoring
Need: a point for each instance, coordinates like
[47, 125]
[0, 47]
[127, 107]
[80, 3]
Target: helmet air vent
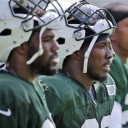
[5, 32]
[61, 40]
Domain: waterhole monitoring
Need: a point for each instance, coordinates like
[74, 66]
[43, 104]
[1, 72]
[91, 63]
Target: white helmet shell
[12, 26]
[72, 35]
[16, 28]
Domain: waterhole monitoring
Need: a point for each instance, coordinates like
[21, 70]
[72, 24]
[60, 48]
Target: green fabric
[119, 72]
[22, 99]
[71, 104]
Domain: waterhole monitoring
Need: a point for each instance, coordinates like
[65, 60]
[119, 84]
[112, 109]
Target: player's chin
[53, 65]
[104, 75]
[102, 79]
[105, 72]
[53, 70]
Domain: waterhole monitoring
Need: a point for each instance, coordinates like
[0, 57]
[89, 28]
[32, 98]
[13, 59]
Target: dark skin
[120, 39]
[99, 62]
[19, 56]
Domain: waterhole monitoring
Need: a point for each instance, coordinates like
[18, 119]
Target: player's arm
[55, 106]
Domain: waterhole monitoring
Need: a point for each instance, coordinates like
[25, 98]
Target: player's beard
[92, 73]
[38, 68]
[42, 70]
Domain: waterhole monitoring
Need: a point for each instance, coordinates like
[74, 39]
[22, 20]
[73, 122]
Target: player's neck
[80, 77]
[21, 70]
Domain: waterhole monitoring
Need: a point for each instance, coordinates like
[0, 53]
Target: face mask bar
[90, 17]
[110, 26]
[86, 15]
[48, 20]
[113, 28]
[31, 14]
[52, 24]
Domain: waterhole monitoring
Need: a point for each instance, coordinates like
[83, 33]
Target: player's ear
[23, 48]
[113, 37]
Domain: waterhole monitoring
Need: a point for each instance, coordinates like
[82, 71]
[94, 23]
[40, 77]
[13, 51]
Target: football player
[119, 67]
[79, 95]
[28, 48]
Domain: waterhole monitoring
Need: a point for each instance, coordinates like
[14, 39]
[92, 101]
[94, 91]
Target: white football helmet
[79, 17]
[16, 27]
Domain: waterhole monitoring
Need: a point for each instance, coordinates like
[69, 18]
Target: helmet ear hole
[5, 32]
[60, 41]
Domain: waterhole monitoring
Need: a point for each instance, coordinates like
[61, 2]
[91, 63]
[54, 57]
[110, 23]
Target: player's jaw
[45, 65]
[49, 68]
[99, 73]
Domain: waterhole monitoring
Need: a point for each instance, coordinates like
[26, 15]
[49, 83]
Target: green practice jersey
[21, 106]
[119, 72]
[73, 107]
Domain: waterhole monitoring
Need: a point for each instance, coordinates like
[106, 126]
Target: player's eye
[46, 39]
[101, 46]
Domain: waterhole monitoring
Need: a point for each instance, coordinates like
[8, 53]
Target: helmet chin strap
[112, 52]
[49, 16]
[40, 51]
[87, 53]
